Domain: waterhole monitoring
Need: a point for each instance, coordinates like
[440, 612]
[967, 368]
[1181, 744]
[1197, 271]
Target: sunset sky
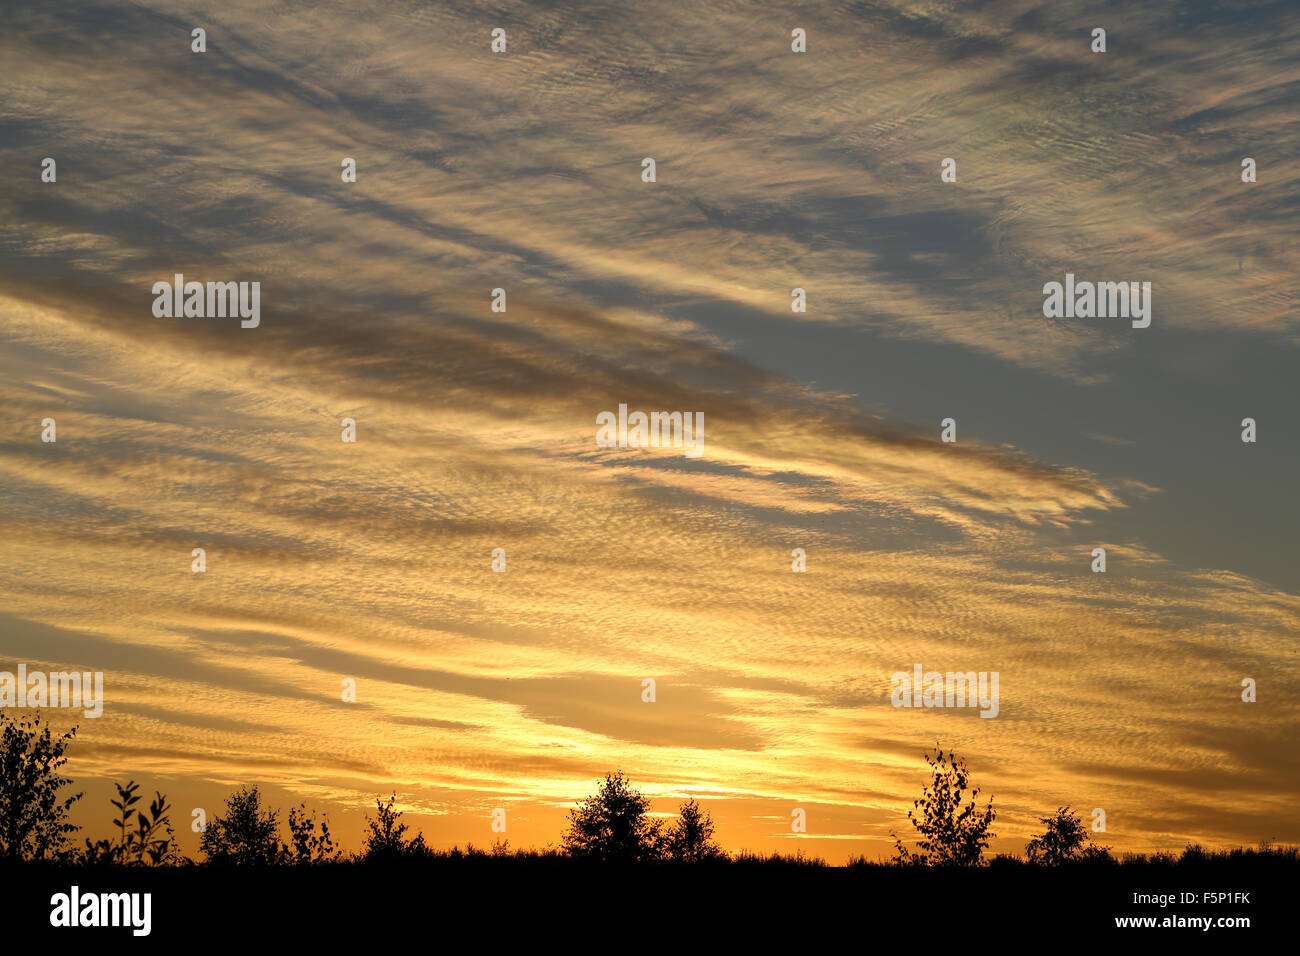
[476, 430]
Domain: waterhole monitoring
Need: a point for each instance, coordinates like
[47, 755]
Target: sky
[372, 561]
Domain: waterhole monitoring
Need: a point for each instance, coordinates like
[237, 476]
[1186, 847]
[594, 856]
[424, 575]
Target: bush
[1066, 840]
[245, 836]
[386, 843]
[141, 838]
[951, 834]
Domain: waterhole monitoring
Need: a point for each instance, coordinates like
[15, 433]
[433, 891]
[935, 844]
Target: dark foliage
[690, 838]
[143, 838]
[1066, 840]
[246, 835]
[386, 841]
[954, 830]
[612, 826]
[33, 817]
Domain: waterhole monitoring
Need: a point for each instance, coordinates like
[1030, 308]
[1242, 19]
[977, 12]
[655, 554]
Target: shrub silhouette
[1066, 840]
[951, 834]
[690, 839]
[245, 836]
[150, 839]
[612, 826]
[786, 860]
[385, 843]
[33, 819]
[307, 847]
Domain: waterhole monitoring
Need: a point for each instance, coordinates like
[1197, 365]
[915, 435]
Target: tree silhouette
[690, 838]
[612, 826]
[384, 843]
[1066, 840]
[951, 834]
[33, 819]
[245, 836]
[308, 847]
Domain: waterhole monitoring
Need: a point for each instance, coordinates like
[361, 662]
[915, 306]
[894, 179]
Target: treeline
[613, 825]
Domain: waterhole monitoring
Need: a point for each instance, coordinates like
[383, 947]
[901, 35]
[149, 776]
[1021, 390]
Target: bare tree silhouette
[951, 834]
[33, 818]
